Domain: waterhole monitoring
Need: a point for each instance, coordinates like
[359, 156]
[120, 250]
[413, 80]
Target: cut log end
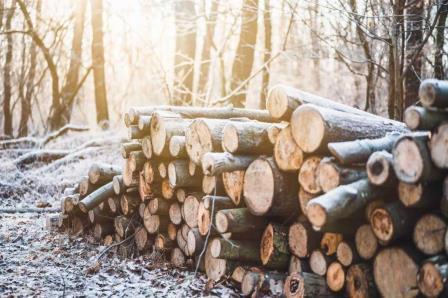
[221, 222]
[428, 93]
[382, 224]
[177, 258]
[328, 176]
[359, 282]
[230, 138]
[430, 281]
[429, 234]
[267, 244]
[249, 282]
[298, 239]
[408, 161]
[158, 133]
[233, 185]
[308, 175]
[378, 169]
[203, 219]
[288, 156]
[198, 140]
[344, 254]
[310, 123]
[412, 118]
[215, 248]
[366, 242]
[335, 276]
[277, 102]
[259, 184]
[316, 214]
[147, 147]
[318, 262]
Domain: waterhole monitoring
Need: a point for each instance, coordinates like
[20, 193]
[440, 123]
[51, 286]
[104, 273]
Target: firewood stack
[308, 198]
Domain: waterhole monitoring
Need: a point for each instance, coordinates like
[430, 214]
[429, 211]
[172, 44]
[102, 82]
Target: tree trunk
[267, 53]
[239, 220]
[100, 173]
[419, 118]
[439, 72]
[102, 111]
[244, 57]
[97, 197]
[243, 251]
[7, 84]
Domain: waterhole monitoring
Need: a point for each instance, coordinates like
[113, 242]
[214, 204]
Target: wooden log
[136, 160]
[177, 147]
[163, 127]
[243, 251]
[127, 120]
[420, 195]
[86, 187]
[250, 280]
[123, 226]
[134, 133]
[314, 127]
[129, 203]
[141, 209]
[127, 148]
[177, 258]
[331, 175]
[393, 221]
[438, 146]
[412, 160]
[101, 230]
[206, 206]
[175, 213]
[274, 130]
[366, 242]
[130, 178]
[306, 285]
[268, 191]
[238, 275]
[171, 231]
[162, 168]
[395, 270]
[304, 197]
[429, 234]
[359, 151]
[274, 253]
[159, 206]
[97, 216]
[163, 243]
[239, 220]
[204, 135]
[360, 282]
[143, 241]
[347, 254]
[342, 202]
[271, 284]
[144, 124]
[419, 118]
[190, 209]
[249, 137]
[144, 188]
[284, 100]
[308, 175]
[155, 223]
[114, 204]
[303, 239]
[97, 197]
[319, 262]
[298, 265]
[346, 226]
[433, 93]
[216, 268]
[233, 185]
[179, 177]
[329, 243]
[336, 276]
[101, 173]
[195, 112]
[181, 241]
[168, 191]
[212, 185]
[432, 276]
[444, 200]
[69, 204]
[216, 163]
[380, 170]
[195, 242]
[118, 185]
[287, 155]
[181, 194]
[150, 172]
[78, 225]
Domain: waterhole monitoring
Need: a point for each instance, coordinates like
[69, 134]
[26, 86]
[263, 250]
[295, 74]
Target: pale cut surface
[311, 126]
[298, 239]
[382, 224]
[335, 276]
[230, 138]
[328, 176]
[409, 193]
[408, 161]
[267, 244]
[429, 234]
[318, 263]
[233, 185]
[158, 134]
[259, 187]
[214, 268]
[430, 282]
[366, 242]
[198, 140]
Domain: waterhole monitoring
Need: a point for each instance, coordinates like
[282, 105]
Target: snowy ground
[35, 261]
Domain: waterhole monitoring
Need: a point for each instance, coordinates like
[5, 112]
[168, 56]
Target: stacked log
[332, 201]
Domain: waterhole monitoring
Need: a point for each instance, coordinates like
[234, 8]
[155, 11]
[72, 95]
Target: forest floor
[35, 261]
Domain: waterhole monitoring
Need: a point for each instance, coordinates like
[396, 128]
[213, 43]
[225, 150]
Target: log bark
[329, 243]
[359, 151]
[239, 220]
[303, 239]
[432, 276]
[306, 285]
[366, 242]
[284, 100]
[175, 213]
[268, 191]
[336, 275]
[274, 253]
[98, 216]
[342, 202]
[218, 163]
[190, 209]
[331, 175]
[438, 146]
[147, 147]
[433, 93]
[204, 135]
[249, 137]
[393, 221]
[380, 169]
[308, 175]
[179, 177]
[314, 127]
[419, 118]
[429, 234]
[195, 112]
[233, 185]
[127, 148]
[216, 268]
[212, 185]
[97, 197]
[100, 173]
[360, 282]
[288, 156]
[412, 160]
[243, 251]
[118, 185]
[347, 254]
[420, 195]
[177, 147]
[395, 270]
[163, 127]
[129, 203]
[195, 242]
[159, 206]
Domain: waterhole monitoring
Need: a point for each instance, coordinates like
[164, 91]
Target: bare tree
[267, 53]
[439, 71]
[244, 57]
[7, 84]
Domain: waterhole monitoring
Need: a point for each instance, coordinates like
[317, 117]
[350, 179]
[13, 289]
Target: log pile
[309, 198]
